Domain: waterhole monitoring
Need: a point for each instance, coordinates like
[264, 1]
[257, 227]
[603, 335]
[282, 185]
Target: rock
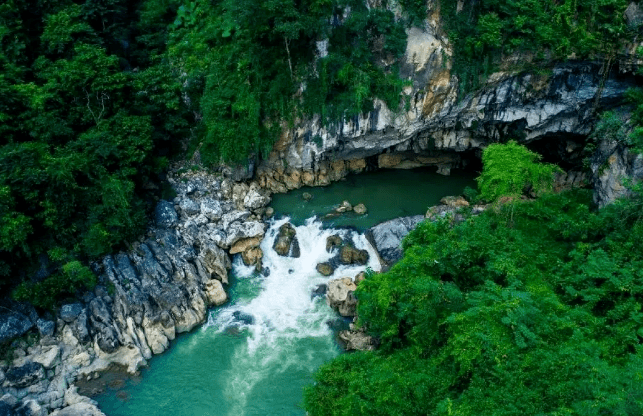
[214, 293]
[454, 201]
[306, 196]
[286, 243]
[241, 230]
[357, 340]
[332, 242]
[79, 409]
[6, 410]
[165, 215]
[252, 256]
[9, 399]
[211, 208]
[79, 327]
[254, 200]
[189, 207]
[340, 296]
[45, 327]
[325, 269]
[31, 408]
[359, 209]
[26, 374]
[320, 290]
[245, 244]
[270, 211]
[48, 358]
[215, 261]
[345, 206]
[612, 165]
[12, 325]
[70, 312]
[350, 255]
[359, 278]
[387, 236]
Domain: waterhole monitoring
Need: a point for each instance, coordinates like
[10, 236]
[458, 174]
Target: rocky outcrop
[339, 296]
[387, 237]
[159, 288]
[612, 166]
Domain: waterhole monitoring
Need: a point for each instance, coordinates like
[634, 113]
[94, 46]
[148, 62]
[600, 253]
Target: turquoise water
[256, 353]
[387, 194]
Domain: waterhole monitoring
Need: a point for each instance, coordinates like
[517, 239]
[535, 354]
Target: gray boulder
[70, 312]
[189, 207]
[211, 208]
[13, 324]
[26, 374]
[387, 236]
[45, 327]
[340, 297]
[165, 215]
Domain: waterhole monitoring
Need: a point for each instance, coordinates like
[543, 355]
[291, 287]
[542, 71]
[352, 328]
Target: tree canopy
[538, 316]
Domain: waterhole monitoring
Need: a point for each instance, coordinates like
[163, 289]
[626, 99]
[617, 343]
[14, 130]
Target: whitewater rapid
[284, 318]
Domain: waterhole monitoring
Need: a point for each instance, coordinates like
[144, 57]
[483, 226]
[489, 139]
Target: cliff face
[552, 111]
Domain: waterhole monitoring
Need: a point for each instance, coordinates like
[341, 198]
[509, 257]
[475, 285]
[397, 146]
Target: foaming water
[254, 355]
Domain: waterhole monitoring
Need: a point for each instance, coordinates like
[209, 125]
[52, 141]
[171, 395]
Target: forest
[533, 307]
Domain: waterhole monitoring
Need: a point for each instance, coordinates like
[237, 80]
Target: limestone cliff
[552, 111]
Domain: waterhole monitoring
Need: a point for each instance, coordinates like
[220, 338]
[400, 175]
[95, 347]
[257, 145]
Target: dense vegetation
[532, 308]
[98, 95]
[542, 31]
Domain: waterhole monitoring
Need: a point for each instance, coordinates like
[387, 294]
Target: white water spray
[284, 317]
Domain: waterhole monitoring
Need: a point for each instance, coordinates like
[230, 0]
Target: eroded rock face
[339, 296]
[26, 374]
[357, 340]
[612, 165]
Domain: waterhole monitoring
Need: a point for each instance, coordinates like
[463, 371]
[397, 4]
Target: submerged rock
[244, 318]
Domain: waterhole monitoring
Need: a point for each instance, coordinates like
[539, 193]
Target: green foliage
[511, 169]
[72, 277]
[252, 66]
[543, 317]
[485, 31]
[87, 116]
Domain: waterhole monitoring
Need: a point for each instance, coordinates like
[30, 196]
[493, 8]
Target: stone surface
[48, 357]
[25, 375]
[45, 327]
[339, 296]
[360, 209]
[70, 312]
[6, 410]
[79, 409]
[13, 324]
[351, 255]
[454, 201]
[215, 293]
[286, 243]
[325, 269]
[355, 340]
[165, 215]
[211, 208]
[189, 207]
[332, 242]
[387, 236]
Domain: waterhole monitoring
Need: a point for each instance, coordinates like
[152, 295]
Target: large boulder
[26, 374]
[13, 324]
[350, 255]
[340, 297]
[387, 236]
[70, 312]
[255, 200]
[325, 269]
[165, 215]
[211, 208]
[214, 293]
[286, 243]
[189, 207]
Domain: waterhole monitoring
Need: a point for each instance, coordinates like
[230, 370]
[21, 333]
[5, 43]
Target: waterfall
[286, 327]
